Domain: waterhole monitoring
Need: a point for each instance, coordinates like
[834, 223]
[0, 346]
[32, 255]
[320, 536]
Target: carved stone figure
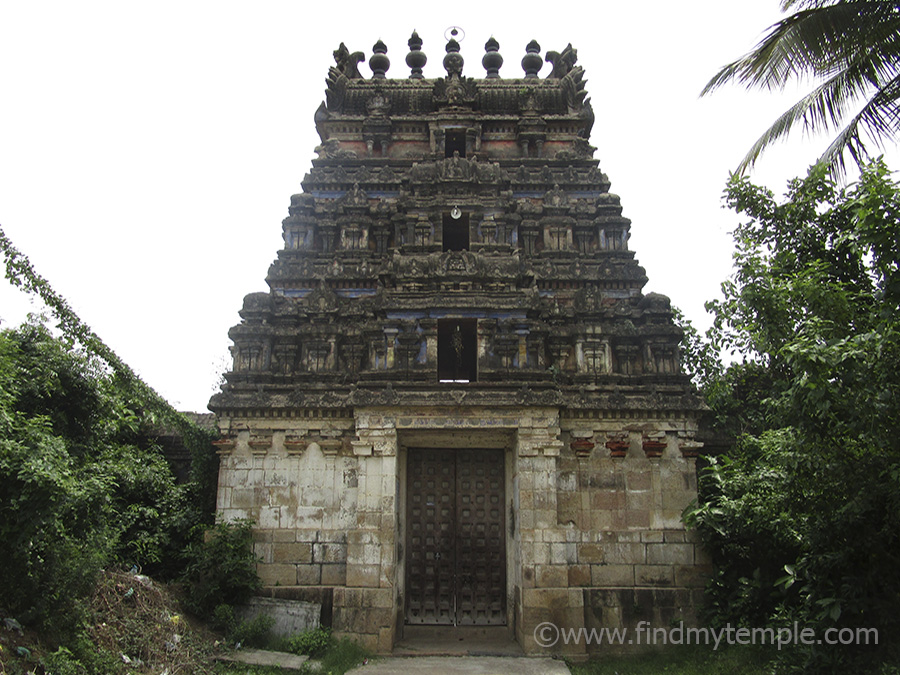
[347, 62]
[562, 62]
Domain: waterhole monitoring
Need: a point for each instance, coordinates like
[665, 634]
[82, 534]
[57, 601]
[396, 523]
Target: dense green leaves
[77, 334]
[803, 517]
[71, 476]
[813, 301]
[83, 484]
[221, 568]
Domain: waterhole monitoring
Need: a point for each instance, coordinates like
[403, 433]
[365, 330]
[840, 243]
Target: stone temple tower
[454, 406]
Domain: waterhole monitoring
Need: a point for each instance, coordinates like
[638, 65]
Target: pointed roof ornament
[562, 62]
[346, 62]
[492, 59]
[416, 58]
[379, 62]
[532, 61]
[453, 61]
[455, 33]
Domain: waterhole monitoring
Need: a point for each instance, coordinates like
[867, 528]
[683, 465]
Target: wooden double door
[456, 537]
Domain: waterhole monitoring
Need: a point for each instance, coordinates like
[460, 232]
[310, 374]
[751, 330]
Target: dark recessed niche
[455, 234]
[455, 141]
[457, 350]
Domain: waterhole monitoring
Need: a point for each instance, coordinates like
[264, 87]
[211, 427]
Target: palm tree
[852, 47]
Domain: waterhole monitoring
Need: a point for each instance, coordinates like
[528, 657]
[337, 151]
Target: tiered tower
[455, 405]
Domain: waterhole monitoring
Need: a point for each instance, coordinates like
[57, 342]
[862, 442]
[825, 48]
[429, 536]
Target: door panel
[431, 512]
[456, 557]
[480, 538]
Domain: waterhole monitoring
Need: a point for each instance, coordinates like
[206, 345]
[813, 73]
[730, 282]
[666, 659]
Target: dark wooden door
[480, 538]
[431, 536]
[455, 544]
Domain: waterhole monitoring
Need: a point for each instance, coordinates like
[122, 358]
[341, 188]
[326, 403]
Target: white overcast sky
[148, 150]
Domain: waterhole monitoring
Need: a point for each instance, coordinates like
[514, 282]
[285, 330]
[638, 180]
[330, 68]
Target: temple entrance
[456, 539]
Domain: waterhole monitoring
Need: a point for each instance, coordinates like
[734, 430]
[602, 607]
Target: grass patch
[693, 660]
[335, 657]
[343, 655]
[339, 657]
[243, 669]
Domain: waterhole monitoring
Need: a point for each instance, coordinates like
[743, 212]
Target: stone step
[462, 665]
[262, 657]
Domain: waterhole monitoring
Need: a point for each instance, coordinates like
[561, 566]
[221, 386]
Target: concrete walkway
[461, 665]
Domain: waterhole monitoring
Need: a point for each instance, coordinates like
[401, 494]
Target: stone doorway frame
[450, 437]
[529, 435]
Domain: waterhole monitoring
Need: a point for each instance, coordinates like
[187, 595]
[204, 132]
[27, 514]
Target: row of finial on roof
[347, 61]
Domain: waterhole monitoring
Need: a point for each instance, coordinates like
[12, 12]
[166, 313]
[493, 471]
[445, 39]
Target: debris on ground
[136, 621]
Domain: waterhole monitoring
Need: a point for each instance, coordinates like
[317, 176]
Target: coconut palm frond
[824, 107]
[854, 45]
[805, 4]
[802, 44]
[879, 119]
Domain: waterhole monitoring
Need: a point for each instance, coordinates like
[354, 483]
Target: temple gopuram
[455, 406]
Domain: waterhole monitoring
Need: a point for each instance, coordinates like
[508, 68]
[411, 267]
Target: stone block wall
[616, 551]
[595, 538]
[322, 494]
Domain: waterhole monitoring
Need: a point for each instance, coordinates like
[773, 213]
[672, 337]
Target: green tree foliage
[803, 517]
[204, 463]
[83, 483]
[852, 49]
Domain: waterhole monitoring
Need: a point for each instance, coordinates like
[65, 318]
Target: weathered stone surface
[612, 575]
[692, 576]
[290, 617]
[291, 552]
[670, 554]
[330, 553]
[652, 536]
[363, 575]
[579, 575]
[590, 553]
[625, 554]
[290, 663]
[278, 575]
[653, 575]
[551, 576]
[334, 575]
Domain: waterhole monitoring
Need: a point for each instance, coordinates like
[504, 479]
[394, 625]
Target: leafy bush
[221, 568]
[312, 643]
[253, 632]
[223, 618]
[84, 658]
[54, 519]
[83, 485]
[63, 662]
[248, 633]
